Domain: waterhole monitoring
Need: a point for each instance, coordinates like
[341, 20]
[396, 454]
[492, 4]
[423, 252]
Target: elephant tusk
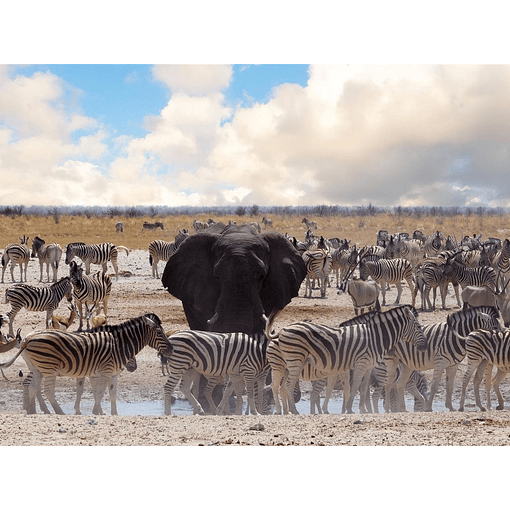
[213, 319]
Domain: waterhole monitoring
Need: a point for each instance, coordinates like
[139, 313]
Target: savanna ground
[136, 293]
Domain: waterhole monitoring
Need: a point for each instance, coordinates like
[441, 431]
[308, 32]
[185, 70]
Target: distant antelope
[309, 224]
[266, 222]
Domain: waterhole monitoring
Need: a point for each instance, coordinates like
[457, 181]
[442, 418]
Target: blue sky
[215, 135]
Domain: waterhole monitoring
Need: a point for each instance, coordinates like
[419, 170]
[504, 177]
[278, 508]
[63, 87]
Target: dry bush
[358, 229]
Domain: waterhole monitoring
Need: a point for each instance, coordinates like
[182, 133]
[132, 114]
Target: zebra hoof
[500, 408]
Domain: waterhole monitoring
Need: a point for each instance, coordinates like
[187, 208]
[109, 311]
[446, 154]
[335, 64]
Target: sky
[214, 135]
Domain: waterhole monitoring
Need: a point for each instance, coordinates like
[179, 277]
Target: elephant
[230, 278]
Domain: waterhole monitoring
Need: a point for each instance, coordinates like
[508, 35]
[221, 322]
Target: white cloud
[196, 80]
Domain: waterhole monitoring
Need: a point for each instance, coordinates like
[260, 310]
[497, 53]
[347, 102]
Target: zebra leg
[80, 384]
[436, 379]
[391, 373]
[497, 380]
[208, 391]
[250, 383]
[33, 388]
[450, 379]
[382, 284]
[465, 381]
[186, 389]
[411, 288]
[399, 293]
[359, 373]
[365, 404]
[400, 385]
[276, 380]
[112, 390]
[49, 392]
[315, 397]
[292, 380]
[330, 386]
[476, 382]
[99, 384]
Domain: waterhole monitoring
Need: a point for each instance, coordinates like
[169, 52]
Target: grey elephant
[229, 277]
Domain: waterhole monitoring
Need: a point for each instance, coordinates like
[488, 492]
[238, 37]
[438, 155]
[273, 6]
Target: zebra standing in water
[390, 271]
[93, 289]
[217, 355]
[336, 351]
[99, 254]
[17, 253]
[49, 254]
[37, 299]
[445, 350]
[100, 353]
[318, 264]
[163, 250]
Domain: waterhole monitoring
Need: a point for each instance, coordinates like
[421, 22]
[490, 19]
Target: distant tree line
[254, 210]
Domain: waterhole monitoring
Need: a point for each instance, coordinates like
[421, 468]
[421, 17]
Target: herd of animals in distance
[380, 353]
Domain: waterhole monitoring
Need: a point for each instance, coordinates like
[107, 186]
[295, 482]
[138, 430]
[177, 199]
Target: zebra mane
[78, 243]
[111, 328]
[366, 317]
[471, 312]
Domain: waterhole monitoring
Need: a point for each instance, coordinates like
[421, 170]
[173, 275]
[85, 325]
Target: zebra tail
[269, 324]
[150, 260]
[4, 259]
[123, 248]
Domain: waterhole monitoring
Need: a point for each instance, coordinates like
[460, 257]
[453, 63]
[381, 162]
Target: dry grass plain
[140, 293]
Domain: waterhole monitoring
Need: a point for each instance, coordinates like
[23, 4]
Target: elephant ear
[189, 276]
[286, 272]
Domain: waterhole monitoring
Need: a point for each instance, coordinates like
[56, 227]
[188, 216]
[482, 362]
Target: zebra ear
[150, 322]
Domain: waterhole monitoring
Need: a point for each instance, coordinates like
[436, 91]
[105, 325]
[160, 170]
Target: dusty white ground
[137, 293]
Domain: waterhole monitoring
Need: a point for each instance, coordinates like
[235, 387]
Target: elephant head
[229, 277]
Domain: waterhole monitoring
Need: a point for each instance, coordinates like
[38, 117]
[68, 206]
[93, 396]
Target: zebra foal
[216, 355]
[49, 254]
[101, 353]
[18, 254]
[94, 290]
[99, 254]
[336, 351]
[37, 299]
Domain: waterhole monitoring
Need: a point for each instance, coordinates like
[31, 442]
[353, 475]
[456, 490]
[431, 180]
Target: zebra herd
[387, 350]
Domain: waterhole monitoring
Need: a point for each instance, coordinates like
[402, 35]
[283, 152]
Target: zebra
[49, 254]
[390, 271]
[503, 262]
[335, 351]
[474, 276]
[95, 254]
[267, 222]
[216, 355]
[17, 253]
[342, 258]
[411, 250]
[445, 350]
[119, 227]
[309, 224]
[200, 225]
[152, 226]
[163, 250]
[318, 264]
[37, 299]
[93, 289]
[100, 353]
[433, 244]
[485, 348]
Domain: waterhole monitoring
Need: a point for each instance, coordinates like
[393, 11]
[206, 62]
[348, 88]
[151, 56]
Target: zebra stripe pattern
[163, 250]
[318, 264]
[475, 276]
[99, 254]
[94, 290]
[16, 253]
[445, 350]
[333, 351]
[217, 355]
[485, 348]
[391, 271]
[37, 299]
[49, 254]
[101, 353]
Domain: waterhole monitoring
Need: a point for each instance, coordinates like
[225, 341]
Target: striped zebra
[411, 250]
[163, 250]
[391, 271]
[336, 351]
[16, 253]
[342, 259]
[318, 264]
[310, 225]
[484, 349]
[100, 353]
[49, 254]
[153, 226]
[481, 276]
[503, 262]
[216, 355]
[37, 299]
[94, 290]
[433, 244]
[200, 225]
[99, 254]
[445, 350]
